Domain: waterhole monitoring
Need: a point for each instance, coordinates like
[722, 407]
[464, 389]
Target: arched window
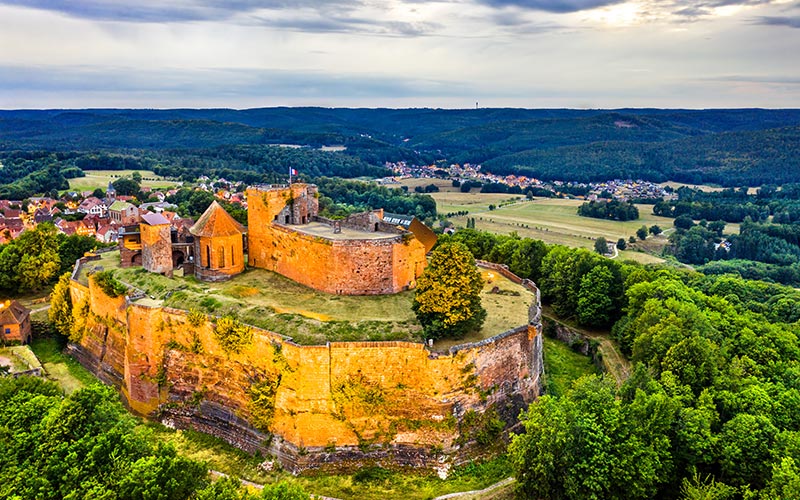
[233, 257]
[221, 256]
[208, 255]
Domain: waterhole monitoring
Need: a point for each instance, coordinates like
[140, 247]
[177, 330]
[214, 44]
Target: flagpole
[290, 176]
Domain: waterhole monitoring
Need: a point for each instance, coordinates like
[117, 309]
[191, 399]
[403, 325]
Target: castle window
[208, 256]
[222, 257]
[233, 257]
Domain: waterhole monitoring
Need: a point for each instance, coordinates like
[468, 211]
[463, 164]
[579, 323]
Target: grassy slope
[60, 368]
[100, 179]
[563, 366]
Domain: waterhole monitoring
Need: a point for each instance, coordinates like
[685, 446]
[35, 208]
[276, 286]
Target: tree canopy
[447, 299]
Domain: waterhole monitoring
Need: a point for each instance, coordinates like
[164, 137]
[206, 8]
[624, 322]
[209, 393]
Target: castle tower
[156, 244]
[218, 245]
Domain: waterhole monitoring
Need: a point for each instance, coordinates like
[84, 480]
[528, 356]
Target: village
[618, 189]
[103, 214]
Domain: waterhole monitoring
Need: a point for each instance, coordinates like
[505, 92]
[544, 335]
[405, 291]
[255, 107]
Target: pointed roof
[215, 221]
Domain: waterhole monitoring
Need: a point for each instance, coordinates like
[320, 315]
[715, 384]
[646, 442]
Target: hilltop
[729, 147]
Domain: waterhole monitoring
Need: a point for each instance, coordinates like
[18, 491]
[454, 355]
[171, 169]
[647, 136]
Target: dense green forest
[729, 147]
[711, 407]
[613, 210]
[86, 445]
[767, 245]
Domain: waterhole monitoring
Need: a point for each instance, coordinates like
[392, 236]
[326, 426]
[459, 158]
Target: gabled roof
[120, 205]
[12, 313]
[154, 219]
[215, 221]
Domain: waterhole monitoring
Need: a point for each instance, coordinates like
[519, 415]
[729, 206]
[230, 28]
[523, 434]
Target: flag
[292, 171]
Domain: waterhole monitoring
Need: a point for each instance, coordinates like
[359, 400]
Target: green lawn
[100, 178]
[60, 368]
[563, 366]
[273, 302]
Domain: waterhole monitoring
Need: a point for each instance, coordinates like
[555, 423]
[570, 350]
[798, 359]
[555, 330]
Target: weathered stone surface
[372, 402]
[156, 248]
[339, 266]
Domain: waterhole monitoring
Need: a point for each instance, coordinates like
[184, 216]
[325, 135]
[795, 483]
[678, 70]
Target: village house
[93, 206]
[15, 322]
[123, 213]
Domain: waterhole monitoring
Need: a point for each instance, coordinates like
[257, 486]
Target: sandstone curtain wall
[311, 406]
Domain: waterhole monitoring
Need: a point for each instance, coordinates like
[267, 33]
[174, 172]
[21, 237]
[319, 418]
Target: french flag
[292, 171]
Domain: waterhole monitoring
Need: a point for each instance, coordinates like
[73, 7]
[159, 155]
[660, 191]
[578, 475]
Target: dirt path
[478, 493]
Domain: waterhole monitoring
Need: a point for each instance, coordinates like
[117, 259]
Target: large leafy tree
[447, 301]
[86, 445]
[591, 444]
[595, 304]
[40, 260]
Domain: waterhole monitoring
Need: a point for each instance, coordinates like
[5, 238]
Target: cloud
[201, 83]
[159, 11]
[343, 24]
[773, 79]
[554, 6]
[790, 21]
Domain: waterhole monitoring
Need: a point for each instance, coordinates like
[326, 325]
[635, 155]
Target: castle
[364, 254]
[332, 406]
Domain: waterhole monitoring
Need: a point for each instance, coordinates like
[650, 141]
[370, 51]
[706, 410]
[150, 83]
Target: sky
[399, 53]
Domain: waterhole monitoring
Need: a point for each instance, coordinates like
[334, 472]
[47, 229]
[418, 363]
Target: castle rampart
[339, 404]
[364, 256]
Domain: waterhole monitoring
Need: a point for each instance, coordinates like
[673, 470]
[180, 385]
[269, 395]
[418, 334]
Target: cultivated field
[273, 302]
[100, 178]
[547, 219]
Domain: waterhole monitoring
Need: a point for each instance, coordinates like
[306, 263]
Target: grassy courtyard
[273, 302]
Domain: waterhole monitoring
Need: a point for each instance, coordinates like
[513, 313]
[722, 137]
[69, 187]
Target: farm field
[100, 178]
[548, 219]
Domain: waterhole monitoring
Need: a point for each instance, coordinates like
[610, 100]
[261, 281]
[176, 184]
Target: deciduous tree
[447, 301]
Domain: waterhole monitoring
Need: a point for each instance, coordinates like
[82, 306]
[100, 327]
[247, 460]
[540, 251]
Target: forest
[767, 245]
[729, 147]
[711, 407]
[614, 210]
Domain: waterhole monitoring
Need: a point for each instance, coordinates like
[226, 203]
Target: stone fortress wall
[329, 261]
[338, 405]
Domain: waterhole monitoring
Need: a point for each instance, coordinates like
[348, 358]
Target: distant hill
[730, 147]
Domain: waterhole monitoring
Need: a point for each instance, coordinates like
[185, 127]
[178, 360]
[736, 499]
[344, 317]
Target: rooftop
[323, 230]
[154, 219]
[215, 221]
